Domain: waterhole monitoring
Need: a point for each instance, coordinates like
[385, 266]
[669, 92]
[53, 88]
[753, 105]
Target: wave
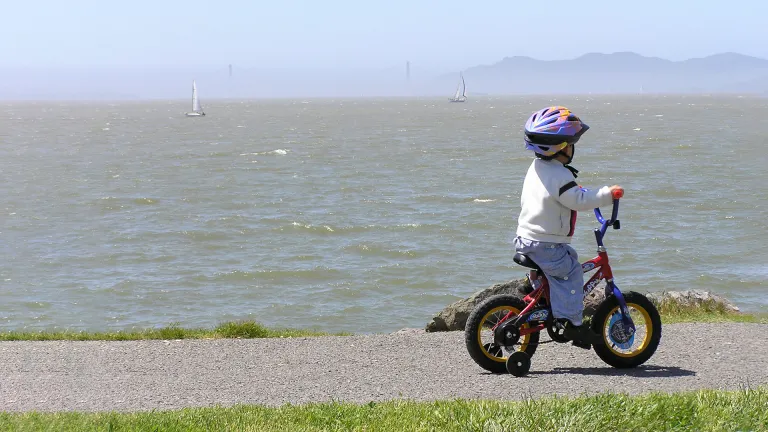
[144, 201]
[326, 229]
[315, 274]
[281, 152]
[451, 199]
[379, 250]
[115, 203]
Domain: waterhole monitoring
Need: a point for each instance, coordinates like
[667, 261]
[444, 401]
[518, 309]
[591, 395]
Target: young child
[550, 199]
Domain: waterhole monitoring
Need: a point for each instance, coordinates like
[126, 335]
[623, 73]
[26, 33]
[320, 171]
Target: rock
[593, 300]
[694, 298]
[454, 316]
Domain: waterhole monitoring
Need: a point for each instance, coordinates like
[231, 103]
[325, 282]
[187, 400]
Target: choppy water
[352, 215]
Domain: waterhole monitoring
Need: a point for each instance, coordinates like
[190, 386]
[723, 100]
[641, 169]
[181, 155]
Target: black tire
[489, 356]
[609, 352]
[518, 364]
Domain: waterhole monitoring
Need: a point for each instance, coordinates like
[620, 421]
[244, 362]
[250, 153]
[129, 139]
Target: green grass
[706, 410]
[672, 311]
[238, 329]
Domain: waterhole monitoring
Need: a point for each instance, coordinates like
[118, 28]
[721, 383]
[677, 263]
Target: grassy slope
[696, 411]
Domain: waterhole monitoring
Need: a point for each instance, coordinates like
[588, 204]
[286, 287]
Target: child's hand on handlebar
[616, 191]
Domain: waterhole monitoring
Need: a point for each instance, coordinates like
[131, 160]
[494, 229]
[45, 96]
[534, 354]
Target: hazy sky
[435, 35]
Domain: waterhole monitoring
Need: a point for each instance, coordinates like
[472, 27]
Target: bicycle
[510, 318]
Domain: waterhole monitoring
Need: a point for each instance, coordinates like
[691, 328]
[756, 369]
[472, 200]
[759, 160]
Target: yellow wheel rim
[492, 318]
[635, 312]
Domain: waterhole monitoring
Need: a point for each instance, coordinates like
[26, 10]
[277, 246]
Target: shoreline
[674, 307]
[254, 330]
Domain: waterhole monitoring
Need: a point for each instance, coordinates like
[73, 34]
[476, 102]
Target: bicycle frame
[600, 262]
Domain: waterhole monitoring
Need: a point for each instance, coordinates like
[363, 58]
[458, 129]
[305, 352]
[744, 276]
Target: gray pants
[561, 266]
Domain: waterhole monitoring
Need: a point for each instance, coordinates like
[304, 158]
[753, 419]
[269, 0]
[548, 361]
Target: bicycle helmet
[549, 130]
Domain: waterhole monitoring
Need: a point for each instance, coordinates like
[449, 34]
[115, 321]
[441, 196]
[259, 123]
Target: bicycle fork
[629, 325]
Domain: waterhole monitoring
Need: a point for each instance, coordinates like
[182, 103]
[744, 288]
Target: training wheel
[518, 363]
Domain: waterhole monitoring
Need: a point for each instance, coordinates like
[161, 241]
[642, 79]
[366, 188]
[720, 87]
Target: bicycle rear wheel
[479, 336]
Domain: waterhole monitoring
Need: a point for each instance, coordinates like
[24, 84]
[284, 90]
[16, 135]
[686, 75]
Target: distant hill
[621, 72]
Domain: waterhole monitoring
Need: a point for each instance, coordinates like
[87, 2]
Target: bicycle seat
[524, 261]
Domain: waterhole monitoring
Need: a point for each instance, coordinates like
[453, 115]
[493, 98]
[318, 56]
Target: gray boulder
[694, 298]
[593, 300]
[454, 316]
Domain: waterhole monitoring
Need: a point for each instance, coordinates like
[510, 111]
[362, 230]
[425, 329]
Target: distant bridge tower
[408, 71]
[230, 71]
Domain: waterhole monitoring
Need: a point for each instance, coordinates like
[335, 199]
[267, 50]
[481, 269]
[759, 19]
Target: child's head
[549, 131]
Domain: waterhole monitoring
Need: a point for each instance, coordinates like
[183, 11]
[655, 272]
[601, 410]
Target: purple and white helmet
[551, 129]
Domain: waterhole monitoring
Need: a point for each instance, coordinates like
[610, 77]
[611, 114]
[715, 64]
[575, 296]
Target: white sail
[197, 108]
[461, 91]
[195, 102]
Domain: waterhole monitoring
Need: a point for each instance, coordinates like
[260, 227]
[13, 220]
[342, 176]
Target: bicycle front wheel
[621, 349]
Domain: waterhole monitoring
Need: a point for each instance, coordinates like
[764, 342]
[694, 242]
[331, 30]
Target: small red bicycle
[502, 333]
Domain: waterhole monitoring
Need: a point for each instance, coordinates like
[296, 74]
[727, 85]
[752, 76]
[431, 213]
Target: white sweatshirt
[550, 199]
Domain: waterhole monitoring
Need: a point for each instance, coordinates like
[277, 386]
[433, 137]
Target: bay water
[357, 215]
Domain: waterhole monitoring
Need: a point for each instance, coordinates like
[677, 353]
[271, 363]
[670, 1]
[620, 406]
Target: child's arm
[577, 198]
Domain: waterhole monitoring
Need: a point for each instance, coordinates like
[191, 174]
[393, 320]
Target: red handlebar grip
[618, 193]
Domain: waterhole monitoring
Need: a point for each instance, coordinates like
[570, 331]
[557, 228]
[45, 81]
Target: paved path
[144, 375]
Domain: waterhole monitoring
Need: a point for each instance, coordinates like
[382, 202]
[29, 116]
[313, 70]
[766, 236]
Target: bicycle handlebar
[614, 214]
[617, 194]
[604, 224]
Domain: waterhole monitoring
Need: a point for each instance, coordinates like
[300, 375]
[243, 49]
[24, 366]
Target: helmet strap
[570, 158]
[573, 171]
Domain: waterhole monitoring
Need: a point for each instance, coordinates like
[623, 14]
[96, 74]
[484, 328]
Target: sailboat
[197, 109]
[461, 91]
